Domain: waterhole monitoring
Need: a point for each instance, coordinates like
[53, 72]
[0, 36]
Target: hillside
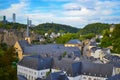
[10, 25]
[95, 28]
[54, 27]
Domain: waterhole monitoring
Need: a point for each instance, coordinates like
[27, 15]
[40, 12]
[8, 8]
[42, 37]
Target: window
[89, 79]
[41, 73]
[84, 77]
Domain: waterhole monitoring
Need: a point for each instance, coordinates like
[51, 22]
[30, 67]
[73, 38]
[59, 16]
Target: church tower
[27, 38]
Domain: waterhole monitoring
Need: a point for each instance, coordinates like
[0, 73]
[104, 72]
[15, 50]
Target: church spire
[27, 27]
[27, 38]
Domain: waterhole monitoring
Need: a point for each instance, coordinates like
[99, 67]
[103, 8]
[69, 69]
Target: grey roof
[57, 76]
[115, 60]
[21, 77]
[76, 68]
[36, 62]
[74, 41]
[115, 77]
[23, 43]
[72, 68]
[99, 70]
[116, 64]
[88, 59]
[93, 49]
[93, 44]
[51, 49]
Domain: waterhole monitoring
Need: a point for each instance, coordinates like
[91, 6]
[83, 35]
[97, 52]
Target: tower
[27, 32]
[4, 19]
[112, 27]
[14, 17]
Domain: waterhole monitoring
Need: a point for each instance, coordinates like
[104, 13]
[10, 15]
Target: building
[33, 67]
[112, 27]
[83, 70]
[95, 71]
[73, 43]
[27, 38]
[52, 50]
[19, 47]
[4, 20]
[115, 60]
[14, 17]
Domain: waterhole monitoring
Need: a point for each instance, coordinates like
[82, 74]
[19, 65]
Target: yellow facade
[70, 45]
[18, 50]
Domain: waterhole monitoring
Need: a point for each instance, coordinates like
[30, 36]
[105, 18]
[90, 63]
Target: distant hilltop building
[4, 19]
[112, 27]
[14, 17]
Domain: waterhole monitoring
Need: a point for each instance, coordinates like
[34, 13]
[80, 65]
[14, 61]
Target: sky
[76, 13]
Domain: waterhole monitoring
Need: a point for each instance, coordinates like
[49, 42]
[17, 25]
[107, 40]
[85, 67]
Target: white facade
[86, 77]
[75, 78]
[32, 74]
[97, 53]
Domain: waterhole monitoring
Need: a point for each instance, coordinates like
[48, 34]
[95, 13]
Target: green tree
[66, 37]
[7, 71]
[107, 40]
[116, 39]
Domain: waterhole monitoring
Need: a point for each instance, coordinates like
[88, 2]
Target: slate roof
[93, 49]
[23, 43]
[99, 70]
[115, 60]
[57, 76]
[76, 68]
[115, 77]
[36, 62]
[51, 49]
[92, 44]
[72, 68]
[20, 77]
[73, 41]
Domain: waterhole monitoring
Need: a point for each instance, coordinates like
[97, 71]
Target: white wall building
[33, 67]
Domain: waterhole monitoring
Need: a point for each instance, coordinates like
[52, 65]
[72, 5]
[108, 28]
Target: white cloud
[77, 13]
[17, 8]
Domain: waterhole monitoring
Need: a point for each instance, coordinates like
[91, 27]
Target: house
[73, 43]
[52, 50]
[115, 60]
[95, 71]
[112, 27]
[19, 47]
[33, 67]
[83, 70]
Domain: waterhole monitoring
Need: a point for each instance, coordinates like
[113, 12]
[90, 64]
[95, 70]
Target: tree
[66, 37]
[116, 39]
[106, 40]
[7, 71]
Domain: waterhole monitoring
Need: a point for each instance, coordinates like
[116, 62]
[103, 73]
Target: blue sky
[76, 13]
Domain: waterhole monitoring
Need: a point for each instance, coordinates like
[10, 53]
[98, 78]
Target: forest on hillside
[96, 28]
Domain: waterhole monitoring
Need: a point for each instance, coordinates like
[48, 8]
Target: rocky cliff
[11, 36]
